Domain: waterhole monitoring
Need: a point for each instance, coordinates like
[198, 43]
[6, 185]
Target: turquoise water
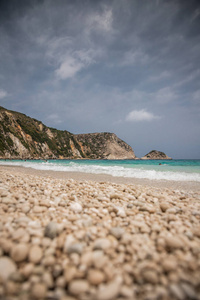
[177, 169]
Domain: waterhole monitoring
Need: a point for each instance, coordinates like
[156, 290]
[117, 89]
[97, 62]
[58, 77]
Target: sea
[174, 170]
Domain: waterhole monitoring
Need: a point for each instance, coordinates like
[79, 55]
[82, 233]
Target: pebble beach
[68, 239]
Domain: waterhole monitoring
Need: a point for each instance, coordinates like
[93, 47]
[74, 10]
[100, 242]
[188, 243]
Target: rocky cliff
[154, 154]
[104, 145]
[28, 138]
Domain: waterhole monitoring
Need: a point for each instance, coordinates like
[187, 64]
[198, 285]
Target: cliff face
[154, 154]
[24, 137]
[104, 145]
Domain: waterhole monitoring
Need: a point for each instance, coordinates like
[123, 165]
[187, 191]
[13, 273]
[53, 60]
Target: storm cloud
[130, 67]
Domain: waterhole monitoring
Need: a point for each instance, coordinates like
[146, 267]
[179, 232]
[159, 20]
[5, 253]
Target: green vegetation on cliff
[25, 137]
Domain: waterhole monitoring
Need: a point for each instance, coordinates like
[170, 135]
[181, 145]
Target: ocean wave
[117, 171]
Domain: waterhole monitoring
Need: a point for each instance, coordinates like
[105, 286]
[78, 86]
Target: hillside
[27, 138]
[154, 154]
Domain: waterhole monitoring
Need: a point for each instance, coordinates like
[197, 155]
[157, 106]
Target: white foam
[118, 171]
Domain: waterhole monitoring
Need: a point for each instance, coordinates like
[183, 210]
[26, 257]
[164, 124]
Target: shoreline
[81, 176]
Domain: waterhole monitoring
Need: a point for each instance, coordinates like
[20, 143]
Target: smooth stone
[127, 292]
[86, 259]
[117, 232]
[176, 291]
[19, 252]
[60, 282]
[147, 208]
[49, 260]
[47, 278]
[35, 254]
[78, 286]
[45, 203]
[95, 277]
[120, 211]
[169, 264]
[145, 229]
[16, 277]
[51, 230]
[173, 242]
[164, 206]
[189, 291]
[18, 234]
[74, 248]
[76, 207]
[27, 270]
[109, 291]
[150, 276]
[12, 288]
[26, 209]
[7, 267]
[38, 209]
[39, 291]
[102, 244]
[99, 260]
[171, 210]
[57, 270]
[6, 245]
[70, 273]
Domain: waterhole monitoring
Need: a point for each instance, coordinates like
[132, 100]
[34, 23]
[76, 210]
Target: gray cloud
[85, 66]
[3, 94]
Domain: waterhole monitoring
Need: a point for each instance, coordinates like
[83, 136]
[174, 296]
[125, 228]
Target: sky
[131, 67]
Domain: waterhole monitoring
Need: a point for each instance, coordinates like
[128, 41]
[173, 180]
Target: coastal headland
[22, 137]
[82, 237]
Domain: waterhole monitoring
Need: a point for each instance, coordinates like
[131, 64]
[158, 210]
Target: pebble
[95, 277]
[78, 286]
[102, 244]
[150, 276]
[48, 260]
[117, 232]
[189, 291]
[19, 252]
[120, 212]
[18, 234]
[39, 291]
[35, 254]
[51, 230]
[169, 264]
[164, 206]
[27, 269]
[7, 267]
[70, 273]
[47, 278]
[76, 207]
[109, 291]
[38, 209]
[176, 291]
[75, 248]
[26, 209]
[173, 242]
[127, 292]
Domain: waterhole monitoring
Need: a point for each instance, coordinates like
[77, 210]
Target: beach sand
[95, 237]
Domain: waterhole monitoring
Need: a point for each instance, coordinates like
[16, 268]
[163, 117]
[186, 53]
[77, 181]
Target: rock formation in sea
[27, 138]
[154, 154]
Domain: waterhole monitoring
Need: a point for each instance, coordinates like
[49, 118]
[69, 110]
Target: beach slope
[83, 239]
